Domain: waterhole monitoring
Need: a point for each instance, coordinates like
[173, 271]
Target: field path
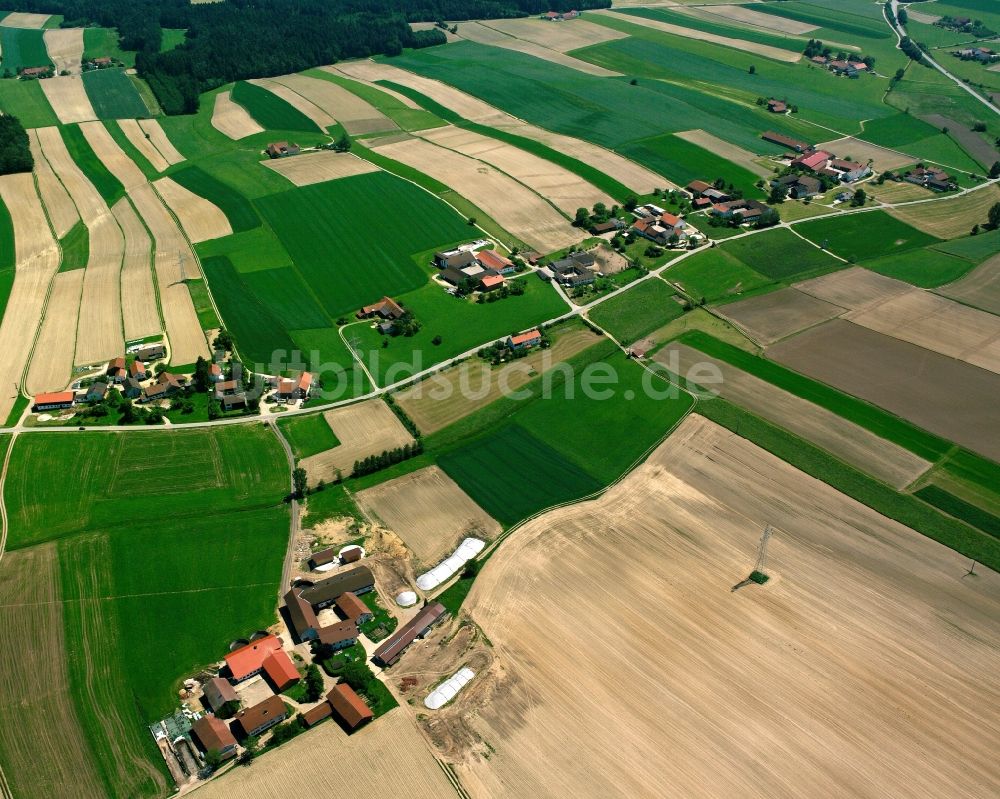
[65, 48]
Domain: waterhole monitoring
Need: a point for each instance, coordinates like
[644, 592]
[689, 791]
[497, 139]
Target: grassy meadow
[22, 48]
[857, 237]
[107, 185]
[25, 100]
[113, 95]
[271, 111]
[640, 310]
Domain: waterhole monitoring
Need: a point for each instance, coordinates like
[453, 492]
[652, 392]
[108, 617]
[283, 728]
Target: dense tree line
[242, 39]
[389, 457]
[15, 154]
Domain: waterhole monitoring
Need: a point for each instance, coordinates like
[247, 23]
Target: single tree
[299, 479]
[995, 170]
[994, 216]
[753, 70]
[201, 375]
[314, 683]
[343, 144]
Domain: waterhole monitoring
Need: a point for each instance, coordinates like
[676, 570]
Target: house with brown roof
[294, 388]
[279, 670]
[492, 260]
[96, 392]
[301, 615]
[315, 715]
[248, 660]
[458, 259]
[849, 171]
[212, 735]
[260, 718]
[54, 400]
[116, 370]
[137, 370]
[491, 282]
[282, 149]
[777, 106]
[348, 706]
[322, 557]
[386, 308]
[324, 593]
[353, 608]
[35, 72]
[218, 692]
[697, 188]
[522, 341]
[340, 635]
[786, 141]
[153, 352]
[397, 642]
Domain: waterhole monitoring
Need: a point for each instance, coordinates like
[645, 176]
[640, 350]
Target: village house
[980, 54]
[799, 186]
[234, 402]
[96, 392]
[218, 692]
[348, 706]
[394, 646]
[457, 259]
[35, 72]
[227, 387]
[156, 392]
[212, 735]
[777, 106]
[522, 341]
[290, 389]
[739, 210]
[261, 717]
[131, 389]
[840, 67]
[153, 352]
[612, 225]
[279, 670]
[576, 269]
[322, 558]
[490, 282]
[338, 635]
[214, 373]
[353, 608]
[662, 229]
[933, 179]
[282, 149]
[323, 593]
[492, 260]
[301, 615]
[52, 401]
[386, 308]
[557, 16]
[850, 171]
[786, 141]
[116, 370]
[137, 370]
[248, 660]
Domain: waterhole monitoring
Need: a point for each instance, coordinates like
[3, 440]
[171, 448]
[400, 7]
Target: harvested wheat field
[201, 219]
[137, 136]
[36, 255]
[385, 758]
[951, 218]
[882, 158]
[139, 313]
[364, 429]
[856, 671]
[429, 512]
[22, 20]
[855, 288]
[309, 168]
[356, 115]
[231, 119]
[851, 443]
[556, 184]
[68, 99]
[937, 324]
[455, 392]
[767, 318]
[322, 119]
[99, 329]
[980, 288]
[946, 396]
[59, 205]
[52, 364]
[561, 38]
[636, 177]
[901, 192]
[158, 138]
[748, 16]
[36, 684]
[727, 150]
[65, 48]
[174, 262]
[112, 155]
[766, 50]
[89, 203]
[512, 205]
[409, 103]
[483, 33]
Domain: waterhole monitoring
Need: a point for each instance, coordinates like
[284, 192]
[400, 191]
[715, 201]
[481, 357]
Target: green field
[461, 323]
[859, 237]
[407, 118]
[7, 256]
[172, 37]
[107, 185]
[21, 48]
[235, 206]
[781, 255]
[308, 435]
[103, 42]
[960, 509]
[974, 248]
[926, 267]
[719, 28]
[248, 251]
[332, 232]
[714, 274]
[75, 248]
[25, 100]
[113, 95]
[637, 311]
[271, 111]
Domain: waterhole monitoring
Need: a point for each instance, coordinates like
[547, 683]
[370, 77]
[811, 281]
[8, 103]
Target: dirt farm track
[866, 667]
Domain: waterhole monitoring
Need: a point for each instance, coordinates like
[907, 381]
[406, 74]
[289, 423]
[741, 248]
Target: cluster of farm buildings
[841, 66]
[981, 54]
[245, 697]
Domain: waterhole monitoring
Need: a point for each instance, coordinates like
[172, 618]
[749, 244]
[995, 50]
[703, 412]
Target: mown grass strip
[107, 185]
[75, 248]
[904, 508]
[270, 110]
[883, 424]
[607, 184]
[235, 206]
[960, 509]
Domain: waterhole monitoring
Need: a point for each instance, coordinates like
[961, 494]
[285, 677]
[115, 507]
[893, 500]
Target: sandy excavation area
[31, 623]
[68, 99]
[560, 37]
[52, 366]
[770, 317]
[65, 48]
[385, 758]
[483, 33]
[511, 204]
[139, 313]
[322, 119]
[748, 16]
[201, 219]
[556, 184]
[356, 115]
[308, 168]
[23, 20]
[858, 670]
[231, 119]
[727, 150]
[158, 137]
[849, 442]
[136, 135]
[636, 177]
[37, 260]
[766, 50]
[429, 511]
[59, 205]
[364, 429]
